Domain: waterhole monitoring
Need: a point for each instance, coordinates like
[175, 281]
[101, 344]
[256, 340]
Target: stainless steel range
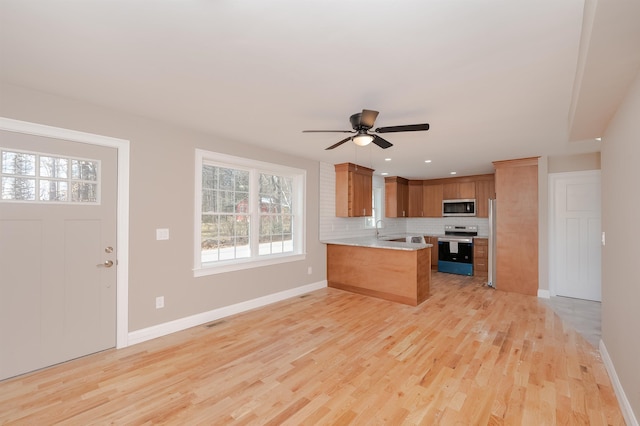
[455, 249]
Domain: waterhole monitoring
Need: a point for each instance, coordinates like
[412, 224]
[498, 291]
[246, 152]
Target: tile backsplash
[332, 227]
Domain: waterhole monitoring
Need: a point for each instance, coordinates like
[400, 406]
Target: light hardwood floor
[468, 355]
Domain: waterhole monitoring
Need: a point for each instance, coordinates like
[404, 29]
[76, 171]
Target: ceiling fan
[362, 122]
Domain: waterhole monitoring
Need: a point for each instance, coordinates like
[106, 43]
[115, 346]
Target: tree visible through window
[275, 198]
[29, 176]
[225, 204]
[249, 210]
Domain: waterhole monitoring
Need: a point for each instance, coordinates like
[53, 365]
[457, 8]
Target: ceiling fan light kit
[362, 122]
[362, 139]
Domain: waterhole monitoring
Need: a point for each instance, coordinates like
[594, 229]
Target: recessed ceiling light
[427, 161]
[387, 159]
[384, 173]
[453, 173]
[598, 139]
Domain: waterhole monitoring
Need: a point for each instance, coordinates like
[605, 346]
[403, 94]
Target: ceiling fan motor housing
[355, 121]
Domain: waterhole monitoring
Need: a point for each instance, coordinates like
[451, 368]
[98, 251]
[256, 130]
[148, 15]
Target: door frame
[122, 209]
[553, 179]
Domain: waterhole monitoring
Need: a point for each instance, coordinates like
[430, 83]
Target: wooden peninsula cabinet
[354, 189]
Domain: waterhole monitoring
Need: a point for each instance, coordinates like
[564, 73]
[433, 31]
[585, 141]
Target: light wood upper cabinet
[432, 199]
[485, 189]
[423, 198]
[459, 190]
[396, 199]
[416, 206]
[354, 186]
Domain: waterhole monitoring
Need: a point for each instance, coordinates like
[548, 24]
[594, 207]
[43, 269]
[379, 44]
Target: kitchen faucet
[378, 229]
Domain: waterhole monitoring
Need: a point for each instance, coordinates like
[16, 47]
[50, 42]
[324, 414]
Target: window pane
[209, 200]
[53, 190]
[241, 180]
[18, 189]
[209, 177]
[54, 167]
[275, 196]
[226, 179]
[226, 203]
[287, 224]
[84, 170]
[84, 192]
[18, 163]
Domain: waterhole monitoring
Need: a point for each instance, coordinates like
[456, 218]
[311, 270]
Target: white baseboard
[160, 330]
[625, 406]
[544, 294]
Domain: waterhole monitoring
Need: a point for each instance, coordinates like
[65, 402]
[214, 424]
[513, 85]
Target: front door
[576, 250]
[57, 251]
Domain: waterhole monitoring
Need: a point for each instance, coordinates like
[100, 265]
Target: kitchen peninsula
[385, 268]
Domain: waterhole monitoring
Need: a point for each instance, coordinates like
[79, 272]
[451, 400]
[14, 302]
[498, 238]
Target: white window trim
[300, 179]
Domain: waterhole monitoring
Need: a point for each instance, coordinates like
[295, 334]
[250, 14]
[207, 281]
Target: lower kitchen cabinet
[434, 250]
[481, 257]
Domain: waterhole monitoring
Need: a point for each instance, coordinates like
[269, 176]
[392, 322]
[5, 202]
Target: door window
[37, 177]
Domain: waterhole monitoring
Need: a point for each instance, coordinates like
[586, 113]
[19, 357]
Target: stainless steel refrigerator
[492, 244]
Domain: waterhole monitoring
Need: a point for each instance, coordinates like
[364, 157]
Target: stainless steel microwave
[459, 207]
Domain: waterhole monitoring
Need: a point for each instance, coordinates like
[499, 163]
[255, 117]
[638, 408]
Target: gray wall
[620, 208]
[162, 196]
[574, 163]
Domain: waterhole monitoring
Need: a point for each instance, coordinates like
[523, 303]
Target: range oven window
[455, 257]
[463, 252]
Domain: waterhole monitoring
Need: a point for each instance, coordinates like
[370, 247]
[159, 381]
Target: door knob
[106, 264]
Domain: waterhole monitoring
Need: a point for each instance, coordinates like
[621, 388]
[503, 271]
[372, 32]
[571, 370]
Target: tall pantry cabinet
[516, 184]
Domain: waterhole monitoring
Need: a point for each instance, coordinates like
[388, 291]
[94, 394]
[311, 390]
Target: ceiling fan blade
[339, 143]
[368, 117]
[405, 128]
[382, 143]
[328, 131]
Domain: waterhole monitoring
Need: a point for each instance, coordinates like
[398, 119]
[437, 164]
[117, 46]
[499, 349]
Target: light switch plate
[162, 234]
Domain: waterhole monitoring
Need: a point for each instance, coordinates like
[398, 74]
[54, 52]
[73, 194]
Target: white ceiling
[496, 79]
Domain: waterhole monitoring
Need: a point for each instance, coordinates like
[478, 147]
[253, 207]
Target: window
[376, 209]
[43, 178]
[248, 213]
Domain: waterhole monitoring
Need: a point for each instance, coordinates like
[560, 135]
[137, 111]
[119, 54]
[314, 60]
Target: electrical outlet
[309, 270]
[159, 302]
[162, 234]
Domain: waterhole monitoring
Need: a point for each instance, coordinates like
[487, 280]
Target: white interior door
[576, 235]
[57, 251]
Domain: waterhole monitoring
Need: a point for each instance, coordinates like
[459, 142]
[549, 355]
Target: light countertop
[383, 241]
